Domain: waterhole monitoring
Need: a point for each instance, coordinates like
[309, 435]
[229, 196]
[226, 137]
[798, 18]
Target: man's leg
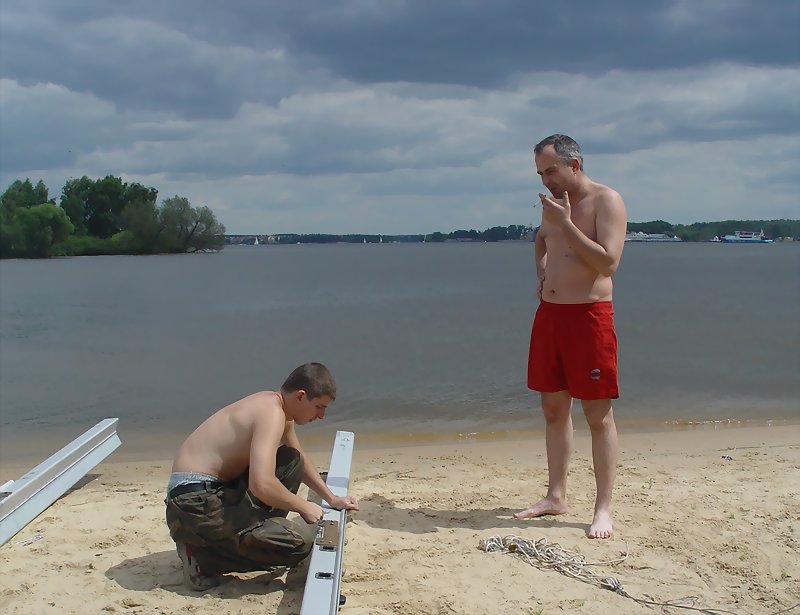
[182, 514]
[605, 449]
[275, 542]
[192, 574]
[288, 470]
[556, 408]
[272, 540]
[240, 528]
[289, 467]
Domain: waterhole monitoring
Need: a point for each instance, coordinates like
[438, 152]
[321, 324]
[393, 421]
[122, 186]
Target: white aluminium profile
[323, 584]
[22, 500]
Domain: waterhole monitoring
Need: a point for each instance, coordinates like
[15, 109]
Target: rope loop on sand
[547, 556]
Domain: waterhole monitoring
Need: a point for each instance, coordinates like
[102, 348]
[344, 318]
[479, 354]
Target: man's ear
[300, 394]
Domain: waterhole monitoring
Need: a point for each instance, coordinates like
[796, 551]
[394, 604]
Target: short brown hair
[313, 378]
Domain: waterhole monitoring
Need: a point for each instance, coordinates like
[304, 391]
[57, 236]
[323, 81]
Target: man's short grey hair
[566, 148]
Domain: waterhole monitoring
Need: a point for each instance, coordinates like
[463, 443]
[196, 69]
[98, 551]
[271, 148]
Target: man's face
[311, 409]
[557, 176]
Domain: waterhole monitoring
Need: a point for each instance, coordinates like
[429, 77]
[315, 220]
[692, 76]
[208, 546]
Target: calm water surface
[424, 339]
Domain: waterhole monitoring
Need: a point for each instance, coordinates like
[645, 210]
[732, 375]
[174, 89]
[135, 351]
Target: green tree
[36, 231]
[104, 206]
[777, 228]
[136, 193]
[141, 223]
[207, 233]
[496, 233]
[12, 236]
[106, 216]
[462, 234]
[30, 223]
[74, 197]
[95, 207]
[185, 229]
[655, 226]
[25, 194]
[174, 221]
[516, 231]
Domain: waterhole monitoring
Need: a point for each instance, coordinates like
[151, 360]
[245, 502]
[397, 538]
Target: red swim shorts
[574, 348]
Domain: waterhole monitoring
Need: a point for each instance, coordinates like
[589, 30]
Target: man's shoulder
[603, 192]
[265, 402]
[607, 200]
[263, 396]
[258, 407]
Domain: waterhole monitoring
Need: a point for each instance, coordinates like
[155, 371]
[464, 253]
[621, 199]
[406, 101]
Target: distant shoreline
[697, 232]
[247, 241]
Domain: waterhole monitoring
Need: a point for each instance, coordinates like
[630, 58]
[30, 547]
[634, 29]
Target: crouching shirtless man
[236, 478]
[573, 351]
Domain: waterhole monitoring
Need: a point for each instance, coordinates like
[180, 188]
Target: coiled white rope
[544, 555]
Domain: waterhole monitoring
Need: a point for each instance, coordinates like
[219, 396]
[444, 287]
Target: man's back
[221, 445]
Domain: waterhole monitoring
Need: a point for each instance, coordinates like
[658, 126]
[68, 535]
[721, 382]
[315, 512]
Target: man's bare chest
[584, 221]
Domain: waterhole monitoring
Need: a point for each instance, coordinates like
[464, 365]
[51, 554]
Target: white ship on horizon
[746, 237]
[661, 237]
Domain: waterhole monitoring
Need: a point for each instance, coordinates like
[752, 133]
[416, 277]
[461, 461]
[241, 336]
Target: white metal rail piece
[23, 499]
[323, 584]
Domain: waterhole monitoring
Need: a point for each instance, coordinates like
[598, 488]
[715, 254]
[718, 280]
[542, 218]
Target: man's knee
[289, 467]
[308, 533]
[598, 413]
[286, 456]
[556, 407]
[279, 542]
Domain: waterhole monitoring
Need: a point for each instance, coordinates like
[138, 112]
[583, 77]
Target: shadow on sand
[162, 571]
[378, 511]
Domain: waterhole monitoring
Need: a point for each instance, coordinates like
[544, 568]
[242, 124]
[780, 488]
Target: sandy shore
[692, 523]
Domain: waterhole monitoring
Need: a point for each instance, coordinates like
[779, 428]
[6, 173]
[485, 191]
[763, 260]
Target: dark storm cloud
[126, 55]
[490, 43]
[362, 108]
[155, 55]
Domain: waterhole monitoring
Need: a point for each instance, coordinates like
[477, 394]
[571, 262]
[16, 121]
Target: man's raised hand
[557, 211]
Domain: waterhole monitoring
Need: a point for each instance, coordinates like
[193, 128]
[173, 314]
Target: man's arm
[540, 254]
[312, 478]
[264, 484]
[611, 220]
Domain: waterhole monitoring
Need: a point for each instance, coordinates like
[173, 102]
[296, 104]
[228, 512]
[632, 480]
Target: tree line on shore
[496, 233]
[706, 231]
[109, 216]
[103, 216]
[699, 231]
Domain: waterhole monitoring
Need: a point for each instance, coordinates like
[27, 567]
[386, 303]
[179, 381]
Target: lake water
[425, 340]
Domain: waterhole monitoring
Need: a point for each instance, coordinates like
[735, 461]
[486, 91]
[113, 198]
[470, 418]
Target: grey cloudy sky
[406, 116]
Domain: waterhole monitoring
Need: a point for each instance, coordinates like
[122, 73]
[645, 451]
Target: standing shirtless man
[573, 352]
[236, 477]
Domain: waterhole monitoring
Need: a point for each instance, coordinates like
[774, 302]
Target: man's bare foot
[545, 506]
[601, 525]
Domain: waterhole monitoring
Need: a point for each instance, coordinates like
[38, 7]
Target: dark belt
[207, 485]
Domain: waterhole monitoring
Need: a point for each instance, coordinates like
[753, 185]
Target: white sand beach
[693, 524]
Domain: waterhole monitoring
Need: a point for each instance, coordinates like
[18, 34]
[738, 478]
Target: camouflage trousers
[230, 530]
